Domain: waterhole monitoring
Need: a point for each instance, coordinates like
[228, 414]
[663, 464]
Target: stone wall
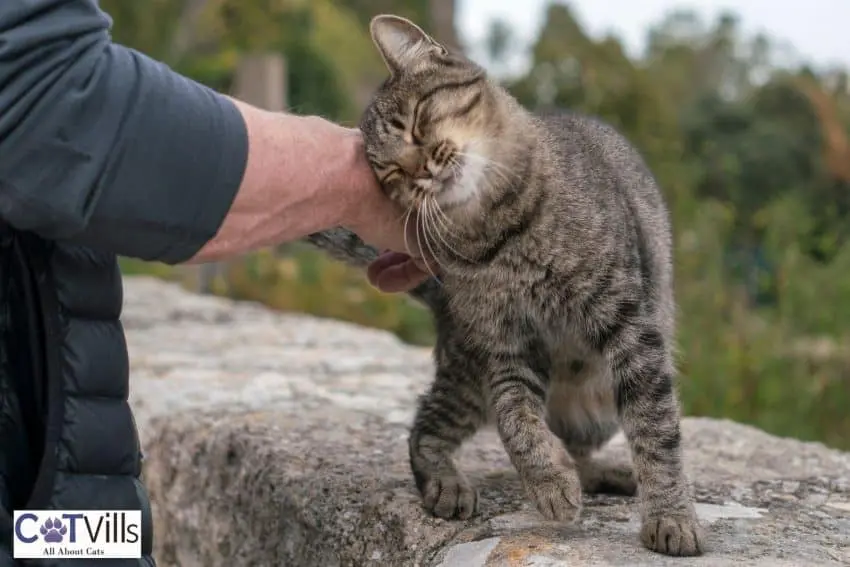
[276, 439]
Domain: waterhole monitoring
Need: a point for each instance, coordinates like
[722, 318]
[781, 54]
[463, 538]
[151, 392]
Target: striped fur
[555, 315]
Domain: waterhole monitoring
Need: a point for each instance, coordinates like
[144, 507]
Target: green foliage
[754, 161]
[328, 52]
[305, 280]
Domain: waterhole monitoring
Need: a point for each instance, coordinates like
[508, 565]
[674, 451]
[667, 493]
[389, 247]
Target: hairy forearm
[303, 175]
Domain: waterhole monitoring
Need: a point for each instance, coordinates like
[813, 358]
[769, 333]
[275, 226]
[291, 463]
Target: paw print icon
[53, 530]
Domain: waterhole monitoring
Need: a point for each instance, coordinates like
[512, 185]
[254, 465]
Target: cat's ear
[400, 42]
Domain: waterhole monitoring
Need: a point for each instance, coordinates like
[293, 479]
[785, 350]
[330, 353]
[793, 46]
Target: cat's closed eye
[392, 175]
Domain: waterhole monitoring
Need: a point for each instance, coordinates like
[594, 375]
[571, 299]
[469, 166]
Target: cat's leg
[648, 406]
[518, 386]
[450, 413]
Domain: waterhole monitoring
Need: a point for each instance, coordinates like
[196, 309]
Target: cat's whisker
[404, 231]
[455, 167]
[448, 227]
[416, 228]
[423, 215]
[442, 237]
[427, 228]
[442, 217]
[446, 222]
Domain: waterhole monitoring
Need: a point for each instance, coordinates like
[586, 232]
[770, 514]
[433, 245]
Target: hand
[307, 174]
[378, 221]
[395, 271]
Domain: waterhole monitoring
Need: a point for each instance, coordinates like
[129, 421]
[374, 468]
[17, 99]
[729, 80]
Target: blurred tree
[328, 52]
[499, 39]
[442, 23]
[418, 11]
[435, 16]
[571, 71]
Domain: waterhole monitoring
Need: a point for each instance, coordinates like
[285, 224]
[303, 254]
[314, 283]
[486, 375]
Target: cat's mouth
[452, 174]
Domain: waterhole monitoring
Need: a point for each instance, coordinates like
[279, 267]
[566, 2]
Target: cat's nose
[414, 163]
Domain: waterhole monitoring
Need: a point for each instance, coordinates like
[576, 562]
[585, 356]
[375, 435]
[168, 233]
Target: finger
[384, 261]
[387, 258]
[399, 277]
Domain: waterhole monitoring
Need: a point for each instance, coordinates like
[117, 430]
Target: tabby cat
[554, 304]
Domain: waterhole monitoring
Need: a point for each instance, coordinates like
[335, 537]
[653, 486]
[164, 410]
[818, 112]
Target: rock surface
[281, 440]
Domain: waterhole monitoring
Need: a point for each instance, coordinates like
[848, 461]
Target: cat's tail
[343, 245]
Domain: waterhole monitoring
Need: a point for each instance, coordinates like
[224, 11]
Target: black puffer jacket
[102, 152]
[68, 436]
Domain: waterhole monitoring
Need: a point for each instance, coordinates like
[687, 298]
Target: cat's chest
[493, 311]
[502, 311]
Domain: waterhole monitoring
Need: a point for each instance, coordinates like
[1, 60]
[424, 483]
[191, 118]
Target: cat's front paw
[557, 495]
[450, 496]
[673, 534]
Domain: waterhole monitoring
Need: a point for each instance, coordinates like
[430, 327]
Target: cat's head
[429, 127]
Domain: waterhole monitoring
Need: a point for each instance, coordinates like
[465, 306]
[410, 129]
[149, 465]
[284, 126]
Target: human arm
[105, 147]
[330, 184]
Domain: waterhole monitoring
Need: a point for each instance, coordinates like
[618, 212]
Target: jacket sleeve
[105, 147]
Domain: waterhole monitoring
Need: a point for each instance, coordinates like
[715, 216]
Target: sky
[818, 30]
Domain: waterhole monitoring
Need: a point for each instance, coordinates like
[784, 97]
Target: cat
[554, 304]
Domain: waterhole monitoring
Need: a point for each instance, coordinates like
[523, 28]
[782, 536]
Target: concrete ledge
[281, 440]
[265, 489]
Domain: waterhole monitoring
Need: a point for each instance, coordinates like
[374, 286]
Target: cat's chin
[453, 194]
